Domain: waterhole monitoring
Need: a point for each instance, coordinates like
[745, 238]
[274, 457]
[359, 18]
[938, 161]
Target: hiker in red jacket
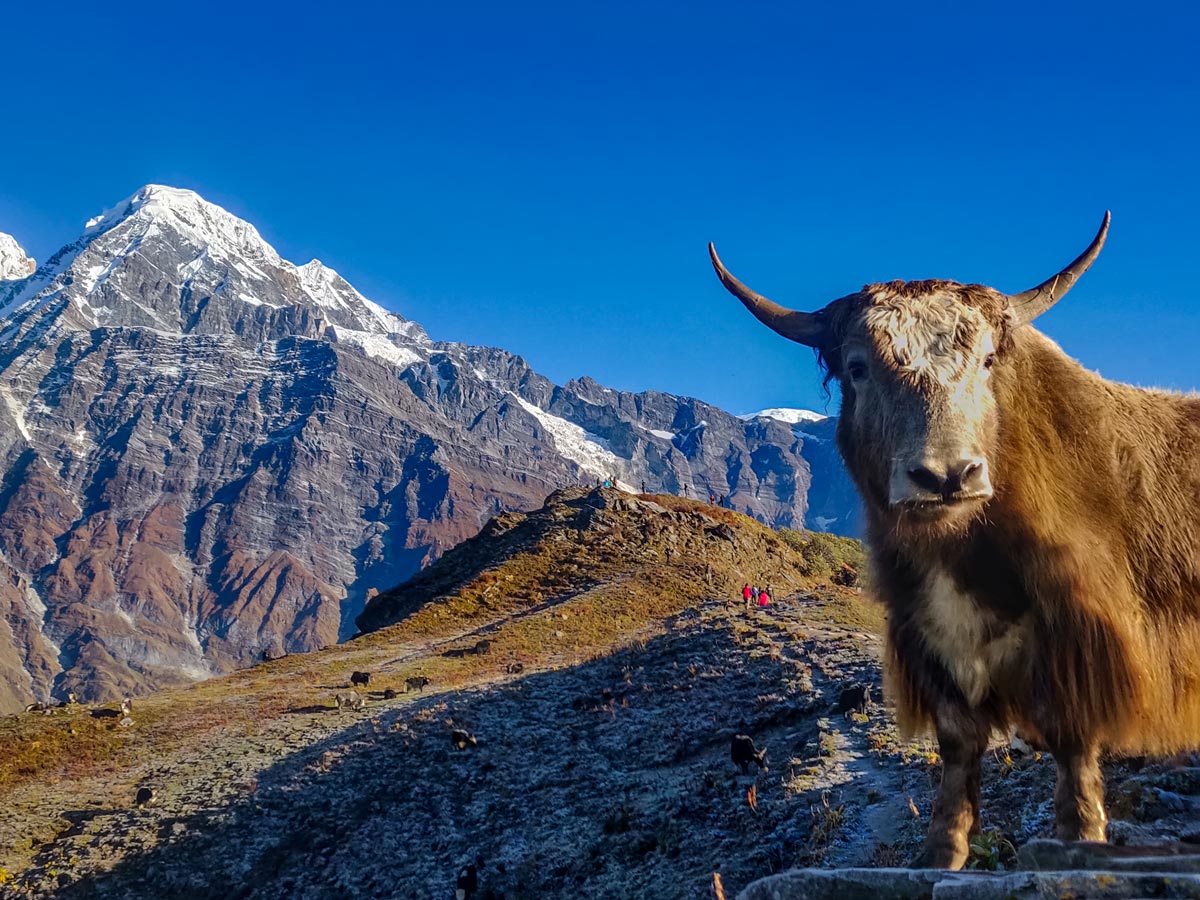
[746, 595]
[764, 597]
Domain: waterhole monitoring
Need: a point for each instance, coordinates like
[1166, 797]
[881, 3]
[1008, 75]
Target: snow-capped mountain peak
[790, 416]
[214, 275]
[14, 261]
[190, 215]
[330, 290]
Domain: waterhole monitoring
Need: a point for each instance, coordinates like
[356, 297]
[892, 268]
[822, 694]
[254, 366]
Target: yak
[1034, 533]
[855, 698]
[743, 752]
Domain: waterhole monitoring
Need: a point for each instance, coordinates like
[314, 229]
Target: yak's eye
[989, 360]
[857, 370]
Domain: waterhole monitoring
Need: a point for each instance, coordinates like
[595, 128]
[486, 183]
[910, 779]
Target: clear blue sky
[545, 177]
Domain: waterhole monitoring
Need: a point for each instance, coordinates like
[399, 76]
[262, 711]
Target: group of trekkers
[723, 501]
[754, 596]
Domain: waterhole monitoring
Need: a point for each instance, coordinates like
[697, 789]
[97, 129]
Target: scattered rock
[1048, 854]
[938, 884]
[724, 532]
[846, 884]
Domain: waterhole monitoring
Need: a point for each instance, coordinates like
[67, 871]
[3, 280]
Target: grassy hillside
[618, 661]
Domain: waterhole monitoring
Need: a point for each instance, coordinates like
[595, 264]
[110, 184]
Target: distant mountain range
[208, 452]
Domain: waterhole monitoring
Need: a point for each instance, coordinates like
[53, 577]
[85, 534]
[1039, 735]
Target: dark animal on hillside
[462, 739]
[416, 683]
[515, 668]
[390, 694]
[144, 796]
[467, 883]
[1033, 532]
[349, 700]
[481, 648]
[360, 679]
[743, 752]
[854, 698]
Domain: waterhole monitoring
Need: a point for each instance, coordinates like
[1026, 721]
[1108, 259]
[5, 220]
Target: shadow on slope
[610, 778]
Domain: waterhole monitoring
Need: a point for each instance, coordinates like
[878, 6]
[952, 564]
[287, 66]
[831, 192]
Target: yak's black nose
[963, 479]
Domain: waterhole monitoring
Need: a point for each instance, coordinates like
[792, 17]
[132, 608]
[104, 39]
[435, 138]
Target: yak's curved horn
[1030, 304]
[802, 327]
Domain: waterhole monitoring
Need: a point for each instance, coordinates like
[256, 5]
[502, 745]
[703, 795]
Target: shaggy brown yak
[1034, 533]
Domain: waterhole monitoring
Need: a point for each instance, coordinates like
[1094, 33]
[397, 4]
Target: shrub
[824, 554]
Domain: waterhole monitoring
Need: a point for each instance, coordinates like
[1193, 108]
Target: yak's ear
[801, 327]
[1030, 304]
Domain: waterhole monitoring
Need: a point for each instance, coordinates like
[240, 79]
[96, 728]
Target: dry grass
[827, 821]
[555, 595]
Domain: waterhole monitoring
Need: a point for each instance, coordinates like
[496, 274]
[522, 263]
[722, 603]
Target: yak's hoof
[940, 857]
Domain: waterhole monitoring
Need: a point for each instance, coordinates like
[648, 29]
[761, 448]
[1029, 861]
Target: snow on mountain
[200, 251]
[378, 346]
[589, 452]
[14, 261]
[208, 452]
[790, 416]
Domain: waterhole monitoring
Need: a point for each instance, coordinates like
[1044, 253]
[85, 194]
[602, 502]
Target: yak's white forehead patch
[933, 335]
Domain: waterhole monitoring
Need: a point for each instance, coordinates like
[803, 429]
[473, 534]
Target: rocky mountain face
[208, 453]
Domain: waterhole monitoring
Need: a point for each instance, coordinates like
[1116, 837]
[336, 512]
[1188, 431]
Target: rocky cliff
[208, 452]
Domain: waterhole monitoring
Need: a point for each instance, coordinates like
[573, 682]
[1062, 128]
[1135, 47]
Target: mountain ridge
[208, 453]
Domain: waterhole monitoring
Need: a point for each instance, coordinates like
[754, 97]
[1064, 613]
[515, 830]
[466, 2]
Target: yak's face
[917, 361]
[919, 418]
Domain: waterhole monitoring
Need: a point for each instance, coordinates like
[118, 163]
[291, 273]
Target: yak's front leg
[961, 742]
[1079, 794]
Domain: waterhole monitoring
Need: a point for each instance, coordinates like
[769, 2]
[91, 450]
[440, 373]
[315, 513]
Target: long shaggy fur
[1090, 541]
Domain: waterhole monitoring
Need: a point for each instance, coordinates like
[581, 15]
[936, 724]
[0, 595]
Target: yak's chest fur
[966, 610]
[979, 647]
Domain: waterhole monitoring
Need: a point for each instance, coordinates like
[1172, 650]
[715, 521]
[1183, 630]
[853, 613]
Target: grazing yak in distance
[1034, 533]
[743, 753]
